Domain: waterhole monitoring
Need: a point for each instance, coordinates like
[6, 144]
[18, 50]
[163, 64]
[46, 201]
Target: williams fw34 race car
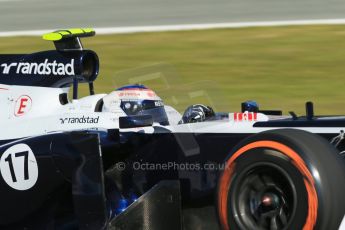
[125, 160]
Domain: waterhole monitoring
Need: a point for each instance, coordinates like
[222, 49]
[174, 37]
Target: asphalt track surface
[19, 15]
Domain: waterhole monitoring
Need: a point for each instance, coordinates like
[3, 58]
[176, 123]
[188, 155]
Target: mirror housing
[135, 121]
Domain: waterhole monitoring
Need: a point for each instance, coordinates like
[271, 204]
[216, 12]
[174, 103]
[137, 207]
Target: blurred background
[281, 67]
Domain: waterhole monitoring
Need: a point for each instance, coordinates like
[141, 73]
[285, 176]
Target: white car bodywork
[43, 113]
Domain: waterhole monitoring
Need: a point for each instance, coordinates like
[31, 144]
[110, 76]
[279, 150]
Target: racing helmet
[138, 100]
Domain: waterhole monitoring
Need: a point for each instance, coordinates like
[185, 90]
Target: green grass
[280, 67]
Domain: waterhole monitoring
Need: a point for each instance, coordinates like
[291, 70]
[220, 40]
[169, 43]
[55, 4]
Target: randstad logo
[44, 68]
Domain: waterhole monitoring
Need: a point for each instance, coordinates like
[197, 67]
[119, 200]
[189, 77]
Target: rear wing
[68, 65]
[69, 39]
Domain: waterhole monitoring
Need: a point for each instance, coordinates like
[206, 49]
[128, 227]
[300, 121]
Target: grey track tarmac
[52, 14]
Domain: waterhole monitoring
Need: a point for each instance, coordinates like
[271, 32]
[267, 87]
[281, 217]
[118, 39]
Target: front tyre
[282, 179]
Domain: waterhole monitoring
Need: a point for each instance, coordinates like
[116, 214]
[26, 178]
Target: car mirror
[135, 121]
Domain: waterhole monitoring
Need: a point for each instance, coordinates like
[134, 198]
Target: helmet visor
[155, 108]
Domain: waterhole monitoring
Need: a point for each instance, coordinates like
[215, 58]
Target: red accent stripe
[3, 89]
[296, 160]
[140, 89]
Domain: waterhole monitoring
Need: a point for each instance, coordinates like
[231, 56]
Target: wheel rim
[264, 198]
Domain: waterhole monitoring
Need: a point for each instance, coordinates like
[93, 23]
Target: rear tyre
[282, 179]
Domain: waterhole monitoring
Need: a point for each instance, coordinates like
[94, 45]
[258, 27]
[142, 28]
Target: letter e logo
[23, 105]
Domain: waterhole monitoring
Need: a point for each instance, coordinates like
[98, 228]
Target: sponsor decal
[159, 103]
[151, 94]
[80, 120]
[136, 94]
[44, 68]
[23, 105]
[18, 167]
[246, 116]
[129, 94]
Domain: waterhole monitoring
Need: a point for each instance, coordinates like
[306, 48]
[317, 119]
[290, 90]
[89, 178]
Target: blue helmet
[140, 100]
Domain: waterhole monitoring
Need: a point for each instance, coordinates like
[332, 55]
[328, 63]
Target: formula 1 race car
[125, 160]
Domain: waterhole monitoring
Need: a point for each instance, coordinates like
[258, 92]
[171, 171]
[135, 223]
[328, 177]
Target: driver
[136, 100]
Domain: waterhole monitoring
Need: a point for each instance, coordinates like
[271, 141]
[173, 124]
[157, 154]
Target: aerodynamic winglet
[69, 39]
